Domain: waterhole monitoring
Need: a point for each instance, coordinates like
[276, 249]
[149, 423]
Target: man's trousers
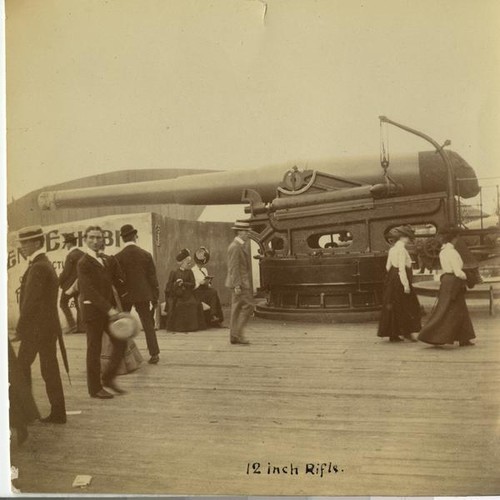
[46, 348]
[95, 329]
[242, 307]
[148, 324]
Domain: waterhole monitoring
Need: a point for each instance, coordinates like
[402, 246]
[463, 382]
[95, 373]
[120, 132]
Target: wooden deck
[398, 419]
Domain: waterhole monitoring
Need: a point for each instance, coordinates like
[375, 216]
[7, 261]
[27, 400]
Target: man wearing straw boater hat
[97, 275]
[239, 272]
[142, 286]
[38, 326]
[68, 283]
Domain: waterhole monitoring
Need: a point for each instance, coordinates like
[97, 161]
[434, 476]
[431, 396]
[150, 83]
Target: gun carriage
[322, 232]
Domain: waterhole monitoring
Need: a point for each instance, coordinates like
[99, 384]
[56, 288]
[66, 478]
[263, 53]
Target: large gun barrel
[418, 173]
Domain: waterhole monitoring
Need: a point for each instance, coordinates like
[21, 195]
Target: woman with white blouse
[400, 315]
[449, 321]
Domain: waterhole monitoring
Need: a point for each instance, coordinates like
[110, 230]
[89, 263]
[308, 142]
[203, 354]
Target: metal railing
[479, 205]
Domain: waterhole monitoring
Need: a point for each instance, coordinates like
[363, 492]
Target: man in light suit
[142, 286]
[97, 275]
[240, 282]
[67, 282]
[38, 326]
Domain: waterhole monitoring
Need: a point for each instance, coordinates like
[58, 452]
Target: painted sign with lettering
[17, 264]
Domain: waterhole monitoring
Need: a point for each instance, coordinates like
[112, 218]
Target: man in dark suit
[68, 283]
[142, 286]
[38, 326]
[97, 274]
[239, 272]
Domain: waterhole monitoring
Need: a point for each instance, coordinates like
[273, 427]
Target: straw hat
[30, 233]
[124, 327]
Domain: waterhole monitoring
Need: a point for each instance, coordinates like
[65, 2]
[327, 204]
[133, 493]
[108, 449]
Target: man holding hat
[38, 326]
[239, 281]
[142, 286]
[97, 275]
[68, 282]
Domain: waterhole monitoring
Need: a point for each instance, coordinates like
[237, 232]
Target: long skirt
[23, 409]
[185, 314]
[210, 297]
[131, 361]
[449, 321]
[401, 312]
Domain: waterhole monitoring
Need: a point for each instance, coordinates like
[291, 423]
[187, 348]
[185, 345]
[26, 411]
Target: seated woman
[184, 311]
[203, 289]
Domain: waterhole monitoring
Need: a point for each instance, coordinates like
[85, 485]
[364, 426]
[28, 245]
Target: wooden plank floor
[398, 419]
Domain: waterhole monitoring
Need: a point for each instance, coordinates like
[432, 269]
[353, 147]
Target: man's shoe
[54, 419]
[154, 359]
[112, 385]
[395, 339]
[102, 394]
[240, 341]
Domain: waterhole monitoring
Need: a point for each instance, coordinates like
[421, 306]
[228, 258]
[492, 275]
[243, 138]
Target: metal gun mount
[323, 242]
[321, 229]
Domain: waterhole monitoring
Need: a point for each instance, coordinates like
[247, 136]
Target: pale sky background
[95, 86]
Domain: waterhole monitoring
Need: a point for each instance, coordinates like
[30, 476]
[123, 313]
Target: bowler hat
[69, 238]
[30, 233]
[241, 225]
[183, 254]
[127, 229]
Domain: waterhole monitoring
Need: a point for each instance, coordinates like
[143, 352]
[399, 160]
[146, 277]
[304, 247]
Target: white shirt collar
[93, 255]
[40, 251]
[128, 243]
[239, 240]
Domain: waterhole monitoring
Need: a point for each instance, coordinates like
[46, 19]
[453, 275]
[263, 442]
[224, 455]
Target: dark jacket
[68, 275]
[38, 315]
[239, 265]
[95, 282]
[140, 274]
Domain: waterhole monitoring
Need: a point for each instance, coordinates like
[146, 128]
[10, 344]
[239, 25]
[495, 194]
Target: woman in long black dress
[449, 321]
[400, 315]
[184, 312]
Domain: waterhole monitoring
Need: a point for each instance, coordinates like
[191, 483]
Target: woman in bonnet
[400, 315]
